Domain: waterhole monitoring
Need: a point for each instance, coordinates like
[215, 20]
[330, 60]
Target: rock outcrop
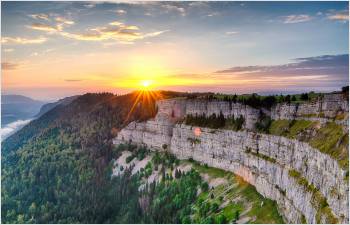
[325, 107]
[268, 162]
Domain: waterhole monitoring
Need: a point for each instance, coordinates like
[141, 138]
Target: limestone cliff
[299, 177]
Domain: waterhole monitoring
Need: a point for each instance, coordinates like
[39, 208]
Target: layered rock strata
[265, 161]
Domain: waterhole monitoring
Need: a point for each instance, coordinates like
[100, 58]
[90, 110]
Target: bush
[264, 123]
[221, 219]
[214, 207]
[304, 96]
[204, 186]
[129, 158]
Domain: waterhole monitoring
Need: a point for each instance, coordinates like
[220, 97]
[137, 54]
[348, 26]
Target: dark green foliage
[221, 219]
[304, 96]
[264, 123]
[172, 198]
[212, 121]
[237, 213]
[204, 186]
[345, 89]
[177, 174]
[129, 158]
[137, 152]
[56, 169]
[215, 122]
[214, 207]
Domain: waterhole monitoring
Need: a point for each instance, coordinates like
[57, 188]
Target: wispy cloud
[63, 20]
[90, 5]
[325, 70]
[73, 80]
[174, 8]
[213, 14]
[120, 11]
[45, 27]
[23, 41]
[9, 50]
[232, 32]
[340, 15]
[9, 66]
[40, 16]
[113, 31]
[297, 18]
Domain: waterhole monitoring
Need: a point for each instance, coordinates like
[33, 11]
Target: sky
[52, 50]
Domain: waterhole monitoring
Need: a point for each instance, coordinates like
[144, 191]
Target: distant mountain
[18, 107]
[47, 107]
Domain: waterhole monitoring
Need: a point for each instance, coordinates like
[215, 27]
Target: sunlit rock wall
[232, 151]
[328, 106]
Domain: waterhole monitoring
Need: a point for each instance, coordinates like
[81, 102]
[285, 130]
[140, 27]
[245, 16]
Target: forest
[57, 168]
[54, 169]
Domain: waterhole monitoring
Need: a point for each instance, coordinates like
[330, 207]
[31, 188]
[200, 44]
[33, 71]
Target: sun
[146, 84]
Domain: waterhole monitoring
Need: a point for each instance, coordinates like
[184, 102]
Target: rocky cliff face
[326, 107]
[299, 177]
[177, 108]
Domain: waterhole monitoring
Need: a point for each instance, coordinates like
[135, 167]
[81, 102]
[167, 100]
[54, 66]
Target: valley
[221, 197]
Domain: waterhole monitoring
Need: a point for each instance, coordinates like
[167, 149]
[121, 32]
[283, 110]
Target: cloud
[116, 23]
[213, 14]
[121, 12]
[63, 20]
[41, 16]
[23, 41]
[124, 34]
[232, 32]
[174, 8]
[45, 27]
[73, 80]
[12, 128]
[90, 5]
[153, 34]
[326, 70]
[340, 15]
[9, 66]
[297, 18]
[9, 50]
[119, 32]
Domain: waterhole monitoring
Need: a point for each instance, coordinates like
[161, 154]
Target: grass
[318, 200]
[329, 139]
[279, 127]
[298, 126]
[230, 210]
[212, 172]
[259, 155]
[340, 116]
[247, 194]
[290, 128]
[264, 213]
[194, 140]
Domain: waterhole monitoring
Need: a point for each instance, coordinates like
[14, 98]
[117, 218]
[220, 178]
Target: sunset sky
[55, 49]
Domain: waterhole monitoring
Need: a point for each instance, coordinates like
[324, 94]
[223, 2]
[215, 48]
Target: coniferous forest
[54, 170]
[58, 169]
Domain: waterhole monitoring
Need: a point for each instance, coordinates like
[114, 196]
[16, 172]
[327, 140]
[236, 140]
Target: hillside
[75, 164]
[54, 169]
[47, 107]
